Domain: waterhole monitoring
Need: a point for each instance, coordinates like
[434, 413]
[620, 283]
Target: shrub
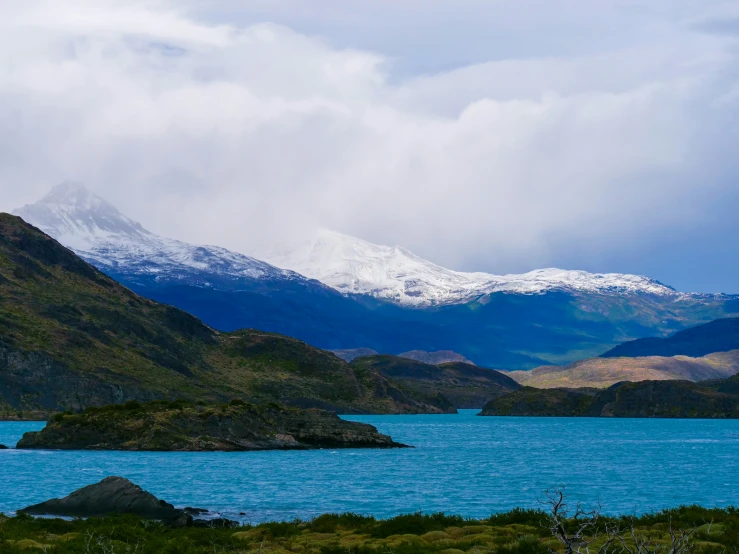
[416, 524]
[328, 523]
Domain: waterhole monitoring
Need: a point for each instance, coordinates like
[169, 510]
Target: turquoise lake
[462, 464]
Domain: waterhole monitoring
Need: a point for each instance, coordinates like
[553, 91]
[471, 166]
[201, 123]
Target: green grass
[515, 532]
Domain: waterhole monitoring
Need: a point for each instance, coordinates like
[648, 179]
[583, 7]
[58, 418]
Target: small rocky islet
[114, 495]
[183, 426]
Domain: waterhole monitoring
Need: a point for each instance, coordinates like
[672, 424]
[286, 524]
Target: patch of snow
[102, 235]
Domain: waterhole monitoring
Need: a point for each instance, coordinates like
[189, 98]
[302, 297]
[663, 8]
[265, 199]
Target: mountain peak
[95, 229]
[72, 193]
[77, 217]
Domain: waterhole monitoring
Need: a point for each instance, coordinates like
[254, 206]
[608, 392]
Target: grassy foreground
[692, 529]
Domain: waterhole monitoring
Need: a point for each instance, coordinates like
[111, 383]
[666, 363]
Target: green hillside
[70, 338]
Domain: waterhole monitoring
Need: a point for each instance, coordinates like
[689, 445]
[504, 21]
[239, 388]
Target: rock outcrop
[112, 495]
[180, 426]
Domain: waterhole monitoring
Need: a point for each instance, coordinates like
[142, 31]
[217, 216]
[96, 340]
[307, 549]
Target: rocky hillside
[71, 337]
[670, 399]
[465, 385]
[180, 426]
[604, 372]
[721, 335]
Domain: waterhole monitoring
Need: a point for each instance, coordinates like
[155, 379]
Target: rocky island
[662, 399]
[183, 426]
[112, 495]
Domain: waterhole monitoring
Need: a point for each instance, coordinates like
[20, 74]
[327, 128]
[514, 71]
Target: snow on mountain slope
[97, 231]
[105, 237]
[354, 266]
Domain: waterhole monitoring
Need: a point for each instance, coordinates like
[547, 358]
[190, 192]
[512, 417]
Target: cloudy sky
[484, 135]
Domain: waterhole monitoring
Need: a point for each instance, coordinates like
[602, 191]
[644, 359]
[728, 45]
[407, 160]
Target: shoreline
[517, 531]
[26, 416]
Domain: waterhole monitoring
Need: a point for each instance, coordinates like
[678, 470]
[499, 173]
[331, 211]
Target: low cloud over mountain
[496, 137]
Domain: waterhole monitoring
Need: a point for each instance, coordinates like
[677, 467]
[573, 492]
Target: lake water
[462, 464]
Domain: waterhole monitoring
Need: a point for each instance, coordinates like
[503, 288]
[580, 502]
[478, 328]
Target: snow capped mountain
[98, 232]
[354, 266]
[105, 237]
[230, 291]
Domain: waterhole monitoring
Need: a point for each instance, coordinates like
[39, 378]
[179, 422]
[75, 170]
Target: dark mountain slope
[465, 385]
[500, 330]
[721, 335]
[71, 337]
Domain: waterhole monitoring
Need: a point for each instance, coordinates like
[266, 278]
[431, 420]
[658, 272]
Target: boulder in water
[112, 495]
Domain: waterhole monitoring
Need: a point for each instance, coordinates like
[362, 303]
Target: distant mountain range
[354, 266]
[349, 294]
[721, 335]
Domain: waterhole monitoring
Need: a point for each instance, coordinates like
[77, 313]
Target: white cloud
[240, 134]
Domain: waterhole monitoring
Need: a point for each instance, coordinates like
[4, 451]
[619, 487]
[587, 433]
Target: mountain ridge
[721, 335]
[100, 233]
[393, 273]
